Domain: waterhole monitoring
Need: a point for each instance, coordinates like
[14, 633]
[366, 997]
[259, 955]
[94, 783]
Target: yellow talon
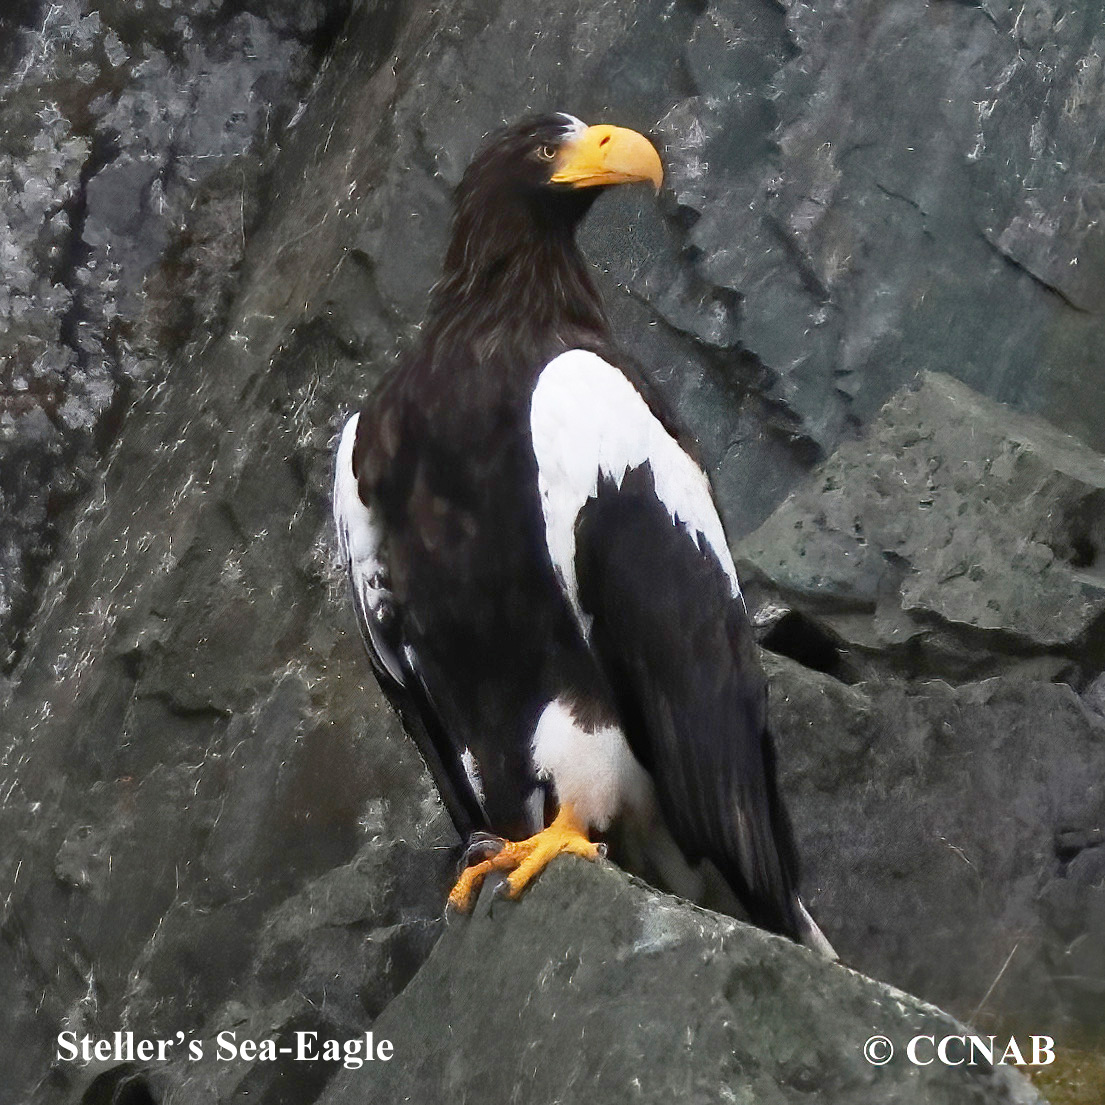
[526, 859]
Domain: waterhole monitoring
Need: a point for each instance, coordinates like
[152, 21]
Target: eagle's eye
[547, 153]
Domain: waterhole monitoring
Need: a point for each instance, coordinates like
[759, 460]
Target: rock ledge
[596, 988]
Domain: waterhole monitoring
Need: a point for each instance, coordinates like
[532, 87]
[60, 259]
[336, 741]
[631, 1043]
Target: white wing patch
[359, 540]
[588, 421]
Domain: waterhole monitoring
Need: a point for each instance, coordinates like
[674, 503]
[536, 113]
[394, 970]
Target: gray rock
[953, 538]
[1040, 203]
[1094, 695]
[178, 768]
[327, 959]
[127, 133]
[950, 518]
[595, 988]
[947, 835]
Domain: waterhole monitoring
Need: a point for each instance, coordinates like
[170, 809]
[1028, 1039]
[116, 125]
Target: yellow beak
[608, 155]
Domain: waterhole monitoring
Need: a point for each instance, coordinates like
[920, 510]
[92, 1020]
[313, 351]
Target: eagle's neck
[515, 285]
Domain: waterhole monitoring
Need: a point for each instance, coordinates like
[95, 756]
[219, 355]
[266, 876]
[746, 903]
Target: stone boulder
[951, 534]
[595, 988]
[951, 838]
[933, 603]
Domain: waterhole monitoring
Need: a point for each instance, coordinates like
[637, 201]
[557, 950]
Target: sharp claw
[480, 846]
[601, 849]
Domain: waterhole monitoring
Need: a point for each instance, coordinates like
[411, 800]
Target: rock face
[208, 819]
[950, 838]
[952, 539]
[594, 988]
[134, 139]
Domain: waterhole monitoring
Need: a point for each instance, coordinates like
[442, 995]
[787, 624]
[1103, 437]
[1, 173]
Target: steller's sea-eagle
[538, 567]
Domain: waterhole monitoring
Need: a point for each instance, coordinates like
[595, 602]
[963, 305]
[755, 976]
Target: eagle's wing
[637, 544]
[362, 547]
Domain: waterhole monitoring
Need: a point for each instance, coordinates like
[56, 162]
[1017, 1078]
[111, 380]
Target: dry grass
[1075, 1078]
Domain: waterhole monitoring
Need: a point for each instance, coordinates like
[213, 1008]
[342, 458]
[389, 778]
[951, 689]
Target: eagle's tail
[761, 858]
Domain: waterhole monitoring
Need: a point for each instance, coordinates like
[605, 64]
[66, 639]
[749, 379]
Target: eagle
[539, 569]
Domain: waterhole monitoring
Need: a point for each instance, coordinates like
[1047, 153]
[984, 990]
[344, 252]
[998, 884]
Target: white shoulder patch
[588, 421]
[359, 540]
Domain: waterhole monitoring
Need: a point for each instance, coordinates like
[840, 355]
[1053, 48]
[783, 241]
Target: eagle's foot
[526, 859]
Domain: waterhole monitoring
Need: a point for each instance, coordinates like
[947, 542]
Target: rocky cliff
[221, 223]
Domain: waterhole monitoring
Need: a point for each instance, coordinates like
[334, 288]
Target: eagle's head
[512, 274]
[554, 166]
